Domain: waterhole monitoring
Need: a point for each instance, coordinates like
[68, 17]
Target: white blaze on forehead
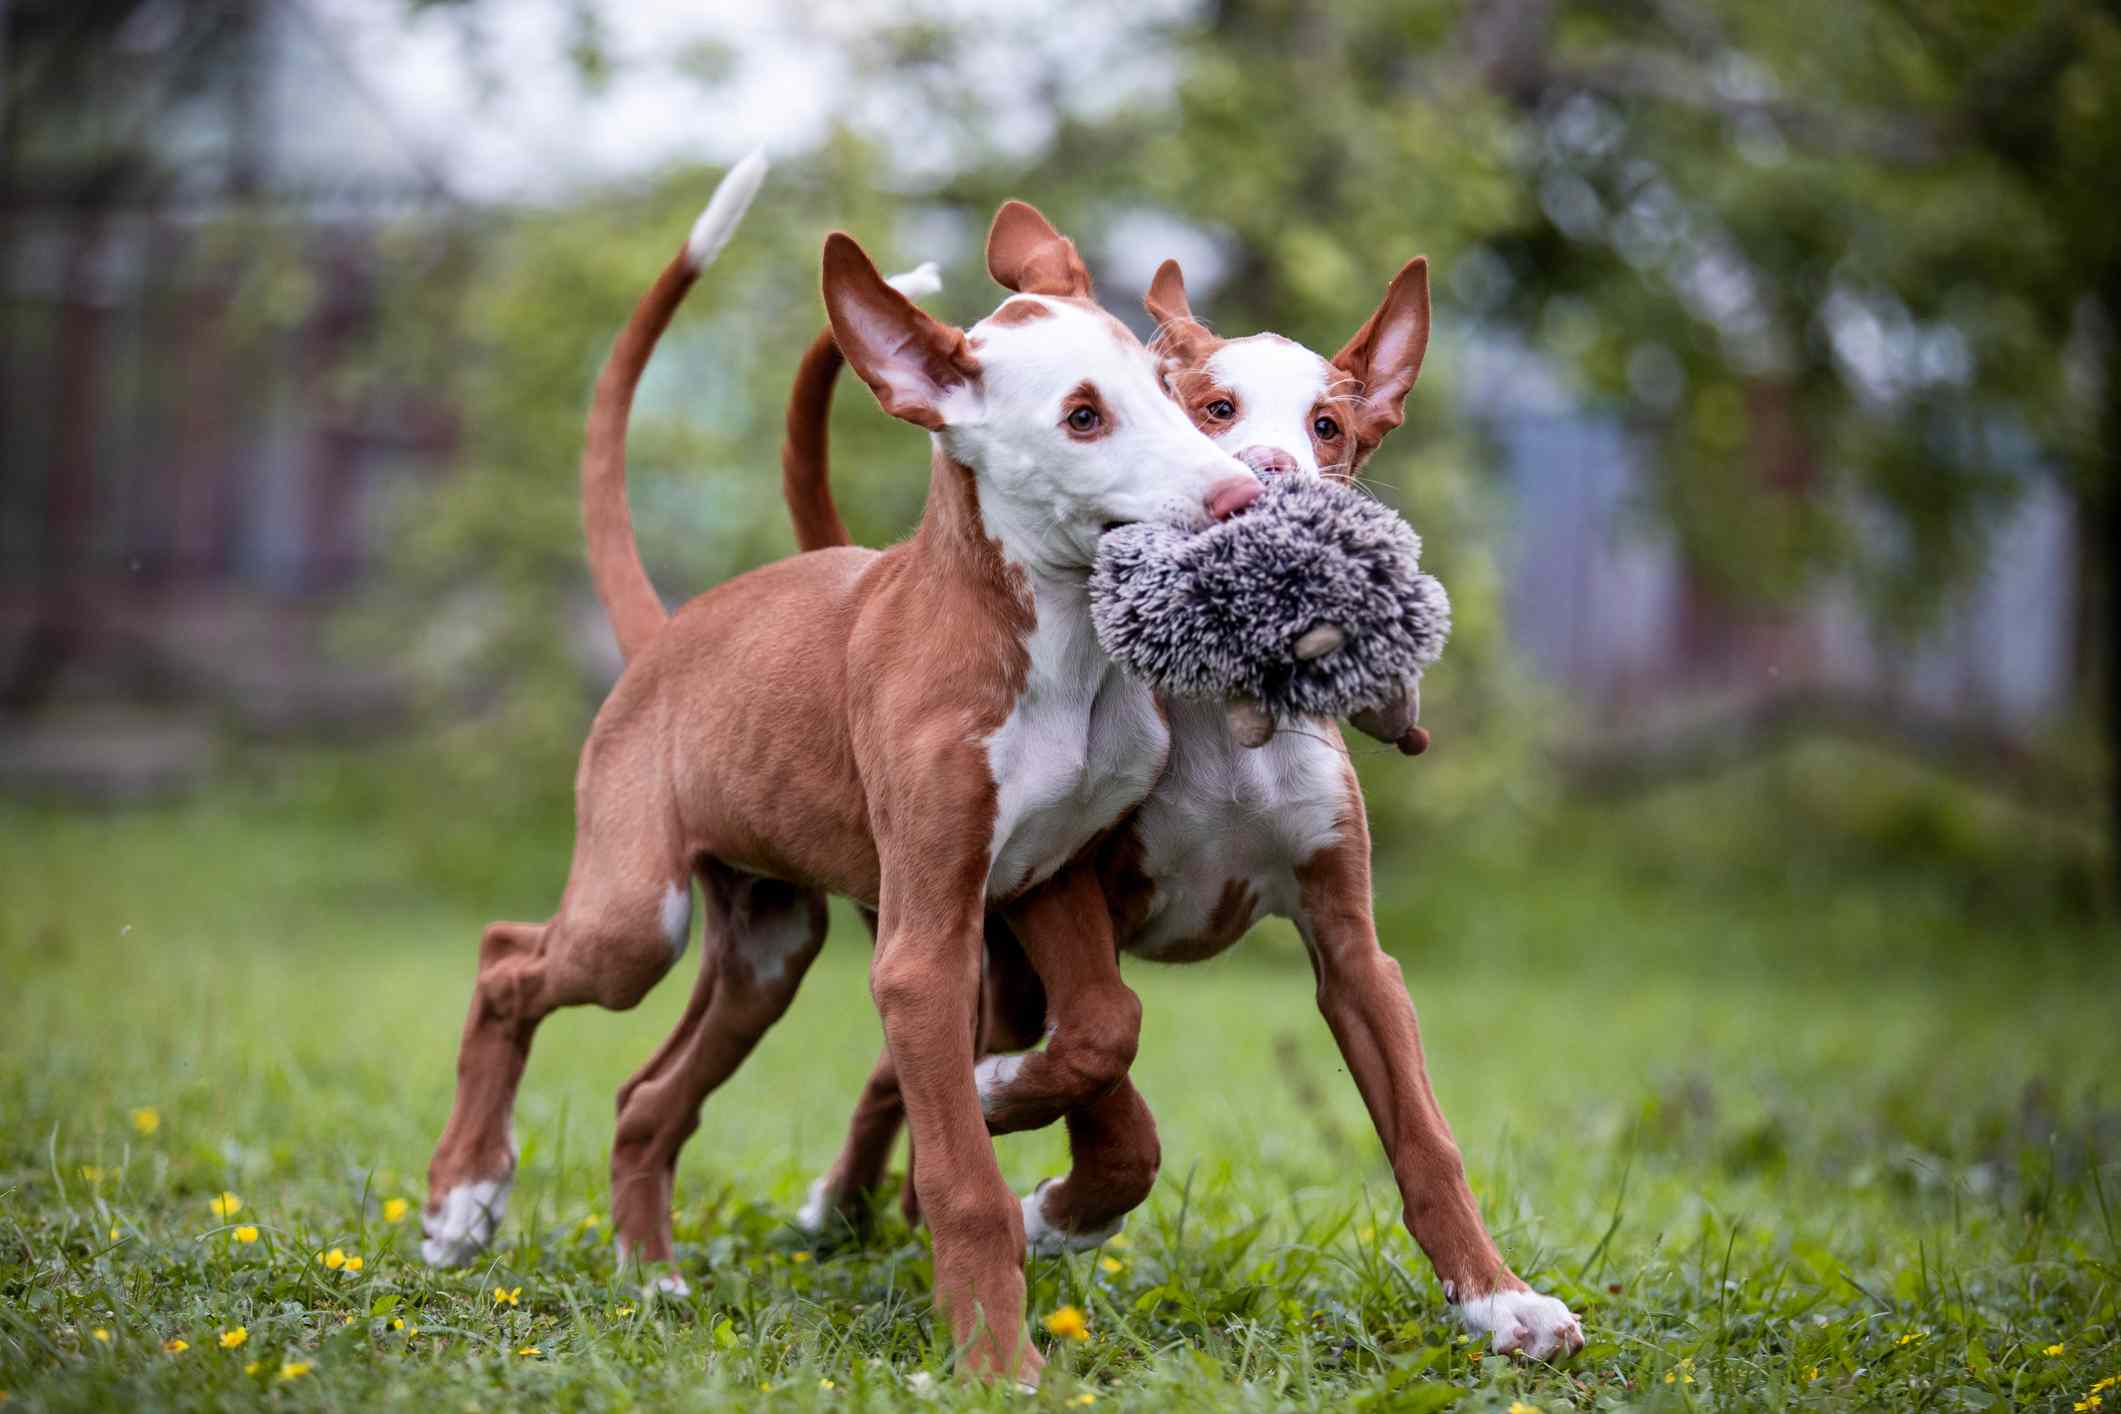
[1278, 382]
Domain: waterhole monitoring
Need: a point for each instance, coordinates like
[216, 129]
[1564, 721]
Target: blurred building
[196, 201]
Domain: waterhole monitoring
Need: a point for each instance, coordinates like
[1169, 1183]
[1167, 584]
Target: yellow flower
[101, 1334]
[798, 1256]
[176, 1345]
[147, 1119]
[2108, 1383]
[353, 1264]
[226, 1205]
[826, 1384]
[1068, 1323]
[114, 1232]
[503, 1296]
[1111, 1266]
[590, 1220]
[395, 1209]
[1911, 1337]
[253, 1367]
[530, 1350]
[398, 1324]
[1086, 1399]
[2087, 1404]
[334, 1259]
[2053, 1351]
[234, 1337]
[294, 1369]
[1811, 1373]
[622, 1311]
[1518, 1406]
[246, 1233]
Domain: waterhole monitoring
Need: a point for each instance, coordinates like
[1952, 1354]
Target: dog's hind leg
[622, 922]
[760, 938]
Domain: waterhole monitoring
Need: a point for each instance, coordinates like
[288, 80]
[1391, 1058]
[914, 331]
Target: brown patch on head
[1334, 424]
[1019, 311]
[1025, 254]
[1211, 403]
[1084, 414]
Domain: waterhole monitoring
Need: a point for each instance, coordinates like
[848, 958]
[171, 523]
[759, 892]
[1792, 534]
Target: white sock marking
[1044, 1239]
[471, 1214]
[1523, 1322]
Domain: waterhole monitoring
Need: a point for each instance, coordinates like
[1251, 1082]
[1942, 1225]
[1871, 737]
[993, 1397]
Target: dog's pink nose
[1230, 495]
[1268, 461]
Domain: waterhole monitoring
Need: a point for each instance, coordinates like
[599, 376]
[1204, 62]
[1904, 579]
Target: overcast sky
[488, 96]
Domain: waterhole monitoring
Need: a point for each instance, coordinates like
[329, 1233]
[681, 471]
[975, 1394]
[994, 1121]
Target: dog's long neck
[953, 543]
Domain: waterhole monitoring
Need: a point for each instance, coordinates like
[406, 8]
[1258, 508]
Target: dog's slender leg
[760, 938]
[1094, 1018]
[926, 982]
[614, 937]
[1364, 998]
[1114, 1155]
[1013, 1005]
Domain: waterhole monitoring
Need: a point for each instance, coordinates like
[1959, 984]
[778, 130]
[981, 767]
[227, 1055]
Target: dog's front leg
[926, 981]
[1364, 998]
[1093, 1018]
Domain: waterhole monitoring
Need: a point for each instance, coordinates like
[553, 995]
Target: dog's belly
[1082, 747]
[1219, 840]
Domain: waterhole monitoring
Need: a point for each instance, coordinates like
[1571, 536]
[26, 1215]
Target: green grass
[1830, 1142]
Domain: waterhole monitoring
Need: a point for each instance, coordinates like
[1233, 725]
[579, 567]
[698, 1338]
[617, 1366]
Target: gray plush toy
[1311, 603]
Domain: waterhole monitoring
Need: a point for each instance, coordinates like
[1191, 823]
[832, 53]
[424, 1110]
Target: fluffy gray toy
[1311, 603]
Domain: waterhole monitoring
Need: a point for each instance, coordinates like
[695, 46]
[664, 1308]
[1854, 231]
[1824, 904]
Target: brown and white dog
[930, 730]
[1229, 835]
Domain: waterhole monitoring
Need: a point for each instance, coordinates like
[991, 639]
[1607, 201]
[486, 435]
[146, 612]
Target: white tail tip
[724, 210]
[918, 283]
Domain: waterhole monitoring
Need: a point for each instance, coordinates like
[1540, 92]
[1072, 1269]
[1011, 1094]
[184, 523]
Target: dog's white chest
[1081, 748]
[1226, 827]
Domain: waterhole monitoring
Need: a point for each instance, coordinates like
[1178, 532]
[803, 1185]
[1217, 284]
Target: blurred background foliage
[1841, 280]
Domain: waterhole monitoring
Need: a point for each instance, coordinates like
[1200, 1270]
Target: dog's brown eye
[1084, 419]
[1326, 428]
[1222, 409]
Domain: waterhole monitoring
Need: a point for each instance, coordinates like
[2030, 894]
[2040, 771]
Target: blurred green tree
[1852, 270]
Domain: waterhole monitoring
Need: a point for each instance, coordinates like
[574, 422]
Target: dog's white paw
[1523, 1323]
[470, 1215]
[993, 1076]
[817, 1206]
[668, 1284]
[1046, 1240]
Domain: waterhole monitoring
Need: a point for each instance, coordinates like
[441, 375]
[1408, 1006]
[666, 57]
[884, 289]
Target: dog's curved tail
[615, 567]
[805, 461]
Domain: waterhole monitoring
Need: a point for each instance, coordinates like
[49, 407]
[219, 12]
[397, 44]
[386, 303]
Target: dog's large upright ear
[1025, 254]
[1179, 336]
[1384, 357]
[911, 361]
